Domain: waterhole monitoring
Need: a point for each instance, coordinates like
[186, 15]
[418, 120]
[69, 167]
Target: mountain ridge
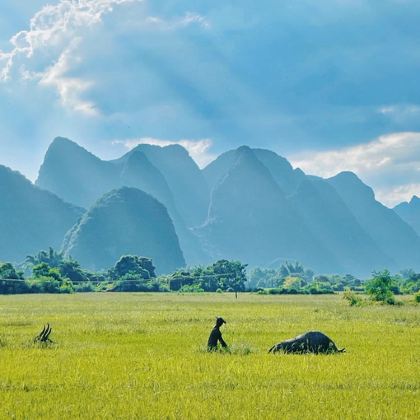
[248, 204]
[31, 218]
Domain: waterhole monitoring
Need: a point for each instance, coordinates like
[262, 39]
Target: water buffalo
[310, 342]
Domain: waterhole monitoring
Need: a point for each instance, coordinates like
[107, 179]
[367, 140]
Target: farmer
[216, 336]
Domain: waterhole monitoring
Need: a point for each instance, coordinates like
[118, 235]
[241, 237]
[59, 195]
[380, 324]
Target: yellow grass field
[142, 356]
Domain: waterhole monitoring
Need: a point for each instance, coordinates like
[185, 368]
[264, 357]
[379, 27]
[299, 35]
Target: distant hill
[354, 231]
[280, 169]
[248, 204]
[76, 175]
[391, 234]
[287, 178]
[410, 212]
[31, 219]
[332, 221]
[185, 180]
[215, 171]
[251, 219]
[125, 221]
[168, 174]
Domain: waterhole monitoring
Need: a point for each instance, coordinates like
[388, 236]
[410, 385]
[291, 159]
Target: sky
[332, 85]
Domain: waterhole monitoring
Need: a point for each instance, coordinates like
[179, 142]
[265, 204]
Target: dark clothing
[215, 336]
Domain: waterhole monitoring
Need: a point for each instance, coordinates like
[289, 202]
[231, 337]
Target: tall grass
[141, 356]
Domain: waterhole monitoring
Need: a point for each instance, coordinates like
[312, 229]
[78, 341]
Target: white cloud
[397, 195]
[199, 150]
[390, 164]
[52, 33]
[189, 18]
[70, 89]
[54, 25]
[50, 49]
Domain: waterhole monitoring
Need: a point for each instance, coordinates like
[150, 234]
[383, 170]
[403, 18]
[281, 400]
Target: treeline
[51, 272]
[293, 278]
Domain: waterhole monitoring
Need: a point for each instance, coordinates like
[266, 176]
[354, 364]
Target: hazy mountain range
[248, 204]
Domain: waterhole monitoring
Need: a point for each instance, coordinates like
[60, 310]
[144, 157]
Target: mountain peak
[30, 218]
[61, 147]
[243, 149]
[132, 221]
[176, 148]
[349, 181]
[63, 142]
[415, 200]
[348, 176]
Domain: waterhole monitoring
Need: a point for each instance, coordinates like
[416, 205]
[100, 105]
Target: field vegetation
[143, 355]
[51, 272]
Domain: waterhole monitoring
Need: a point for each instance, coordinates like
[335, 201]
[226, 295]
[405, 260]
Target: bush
[84, 287]
[352, 298]
[417, 297]
[380, 287]
[261, 292]
[193, 288]
[45, 284]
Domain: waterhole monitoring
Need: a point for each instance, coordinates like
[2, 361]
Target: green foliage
[54, 273]
[51, 258]
[352, 298]
[417, 297]
[380, 287]
[48, 279]
[223, 275]
[71, 270]
[47, 284]
[132, 282]
[9, 273]
[293, 278]
[193, 288]
[140, 267]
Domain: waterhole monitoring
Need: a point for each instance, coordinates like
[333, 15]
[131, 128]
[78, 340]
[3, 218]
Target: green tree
[44, 270]
[71, 269]
[231, 274]
[135, 265]
[380, 287]
[50, 257]
[7, 271]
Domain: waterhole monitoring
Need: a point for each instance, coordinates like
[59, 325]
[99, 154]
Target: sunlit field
[143, 356]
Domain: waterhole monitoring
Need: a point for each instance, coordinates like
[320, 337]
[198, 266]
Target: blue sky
[332, 84]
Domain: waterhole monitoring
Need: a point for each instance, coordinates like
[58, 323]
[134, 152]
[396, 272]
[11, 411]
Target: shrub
[352, 298]
[84, 287]
[261, 292]
[417, 297]
[380, 287]
[193, 288]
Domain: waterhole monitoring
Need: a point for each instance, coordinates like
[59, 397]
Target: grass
[141, 356]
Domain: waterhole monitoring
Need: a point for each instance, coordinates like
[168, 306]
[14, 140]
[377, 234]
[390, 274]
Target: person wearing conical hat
[216, 336]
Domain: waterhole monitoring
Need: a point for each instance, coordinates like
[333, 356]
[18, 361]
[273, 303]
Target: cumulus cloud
[199, 150]
[49, 50]
[52, 32]
[53, 25]
[397, 195]
[70, 89]
[390, 164]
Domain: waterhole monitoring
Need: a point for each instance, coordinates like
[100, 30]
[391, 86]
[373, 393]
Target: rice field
[143, 356]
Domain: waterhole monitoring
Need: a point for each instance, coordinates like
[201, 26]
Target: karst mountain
[248, 204]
